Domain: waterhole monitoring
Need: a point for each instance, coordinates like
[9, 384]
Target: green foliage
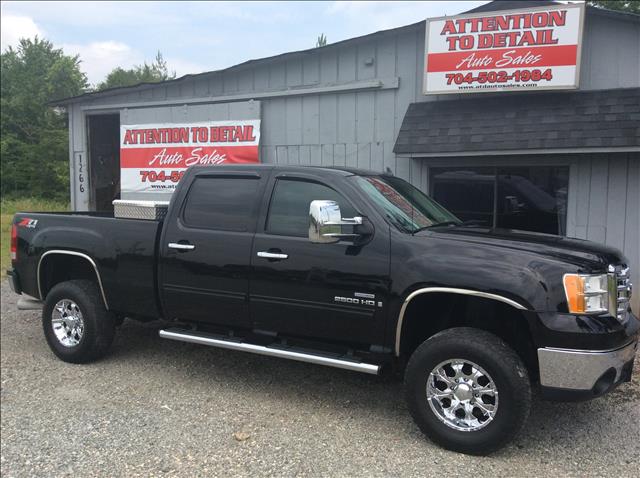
[322, 40]
[631, 6]
[33, 136]
[156, 71]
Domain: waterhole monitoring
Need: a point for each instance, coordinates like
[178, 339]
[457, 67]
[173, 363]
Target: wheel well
[57, 268]
[428, 314]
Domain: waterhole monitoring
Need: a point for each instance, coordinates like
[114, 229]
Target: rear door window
[221, 203]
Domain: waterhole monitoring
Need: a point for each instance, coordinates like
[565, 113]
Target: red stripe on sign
[503, 58]
[184, 156]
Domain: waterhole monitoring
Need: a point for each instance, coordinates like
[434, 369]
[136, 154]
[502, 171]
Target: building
[564, 161]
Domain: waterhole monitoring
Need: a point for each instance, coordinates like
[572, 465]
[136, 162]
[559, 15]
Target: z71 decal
[26, 222]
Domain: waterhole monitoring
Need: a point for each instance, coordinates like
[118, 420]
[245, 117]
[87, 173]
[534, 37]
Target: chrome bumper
[586, 370]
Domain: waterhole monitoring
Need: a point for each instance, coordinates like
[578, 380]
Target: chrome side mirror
[325, 223]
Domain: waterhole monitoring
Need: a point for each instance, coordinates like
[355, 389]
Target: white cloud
[99, 58]
[384, 15]
[15, 27]
[184, 67]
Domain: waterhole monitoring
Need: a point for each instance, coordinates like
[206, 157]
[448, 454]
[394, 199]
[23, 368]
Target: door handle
[181, 247]
[273, 255]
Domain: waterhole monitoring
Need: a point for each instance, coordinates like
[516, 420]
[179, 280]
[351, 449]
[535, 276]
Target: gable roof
[523, 121]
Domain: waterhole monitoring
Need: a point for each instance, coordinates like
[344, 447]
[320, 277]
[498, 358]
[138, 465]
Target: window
[221, 203]
[530, 198]
[289, 210]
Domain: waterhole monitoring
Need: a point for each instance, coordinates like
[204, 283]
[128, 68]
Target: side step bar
[273, 351]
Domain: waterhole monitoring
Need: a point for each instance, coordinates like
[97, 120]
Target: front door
[205, 251]
[299, 288]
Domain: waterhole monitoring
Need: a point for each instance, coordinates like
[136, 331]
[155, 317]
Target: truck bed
[124, 251]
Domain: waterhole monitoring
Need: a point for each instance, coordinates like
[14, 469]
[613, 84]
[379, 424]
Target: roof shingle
[557, 120]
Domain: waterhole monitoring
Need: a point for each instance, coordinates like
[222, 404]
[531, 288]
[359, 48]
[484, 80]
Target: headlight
[587, 294]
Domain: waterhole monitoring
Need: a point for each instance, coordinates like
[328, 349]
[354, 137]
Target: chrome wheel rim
[462, 395]
[67, 322]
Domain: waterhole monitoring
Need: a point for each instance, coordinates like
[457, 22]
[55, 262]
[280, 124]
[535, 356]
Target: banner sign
[525, 49]
[153, 157]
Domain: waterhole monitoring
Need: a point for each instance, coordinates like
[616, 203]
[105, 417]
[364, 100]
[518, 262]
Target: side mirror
[325, 223]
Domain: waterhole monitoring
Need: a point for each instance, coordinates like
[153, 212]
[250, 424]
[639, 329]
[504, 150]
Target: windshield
[406, 207]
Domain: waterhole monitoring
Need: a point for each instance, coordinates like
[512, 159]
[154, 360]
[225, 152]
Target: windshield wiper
[439, 224]
[470, 223]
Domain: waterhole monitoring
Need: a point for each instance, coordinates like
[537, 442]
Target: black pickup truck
[350, 269]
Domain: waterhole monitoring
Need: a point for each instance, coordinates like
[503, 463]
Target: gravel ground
[159, 408]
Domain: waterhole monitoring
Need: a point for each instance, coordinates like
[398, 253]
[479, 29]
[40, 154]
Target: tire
[477, 433]
[86, 339]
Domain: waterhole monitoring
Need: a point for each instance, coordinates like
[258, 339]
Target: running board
[273, 351]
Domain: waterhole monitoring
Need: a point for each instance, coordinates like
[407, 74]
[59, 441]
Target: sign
[153, 157]
[516, 50]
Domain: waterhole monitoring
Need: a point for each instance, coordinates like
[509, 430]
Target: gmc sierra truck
[346, 268]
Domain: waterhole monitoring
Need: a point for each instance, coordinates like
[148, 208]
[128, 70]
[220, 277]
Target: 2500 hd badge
[350, 269]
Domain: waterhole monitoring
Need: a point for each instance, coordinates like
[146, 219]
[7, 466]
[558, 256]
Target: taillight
[14, 242]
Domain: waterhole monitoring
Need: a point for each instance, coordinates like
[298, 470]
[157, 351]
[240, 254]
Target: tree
[631, 6]
[322, 40]
[34, 141]
[145, 73]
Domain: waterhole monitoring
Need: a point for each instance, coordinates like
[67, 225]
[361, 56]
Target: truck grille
[621, 294]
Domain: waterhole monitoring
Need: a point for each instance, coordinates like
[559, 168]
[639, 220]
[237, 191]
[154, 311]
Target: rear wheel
[467, 390]
[77, 326]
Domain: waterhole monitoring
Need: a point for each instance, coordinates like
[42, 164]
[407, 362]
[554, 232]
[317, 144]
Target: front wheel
[467, 390]
[76, 324]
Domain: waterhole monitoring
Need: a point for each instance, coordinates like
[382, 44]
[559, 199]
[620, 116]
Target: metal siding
[230, 82]
[328, 129]
[282, 156]
[407, 71]
[366, 52]
[305, 155]
[610, 54]
[365, 114]
[245, 80]
[347, 61]
[260, 78]
[351, 154]
[327, 155]
[632, 226]
[583, 192]
[293, 114]
[377, 153]
[294, 72]
[616, 202]
[596, 225]
[328, 66]
[311, 69]
[347, 118]
[315, 156]
[277, 75]
[363, 151]
[311, 119]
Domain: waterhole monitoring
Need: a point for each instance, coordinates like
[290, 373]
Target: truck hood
[587, 255]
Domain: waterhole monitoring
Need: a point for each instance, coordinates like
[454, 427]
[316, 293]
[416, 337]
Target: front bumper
[568, 374]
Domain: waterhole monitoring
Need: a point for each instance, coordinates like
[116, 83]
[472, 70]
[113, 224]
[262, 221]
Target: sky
[201, 36]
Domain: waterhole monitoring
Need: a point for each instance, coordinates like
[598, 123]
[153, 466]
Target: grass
[8, 207]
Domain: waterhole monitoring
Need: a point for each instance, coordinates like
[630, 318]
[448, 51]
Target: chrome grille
[621, 280]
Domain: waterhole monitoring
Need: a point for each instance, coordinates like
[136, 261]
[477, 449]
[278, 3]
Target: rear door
[316, 290]
[206, 247]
